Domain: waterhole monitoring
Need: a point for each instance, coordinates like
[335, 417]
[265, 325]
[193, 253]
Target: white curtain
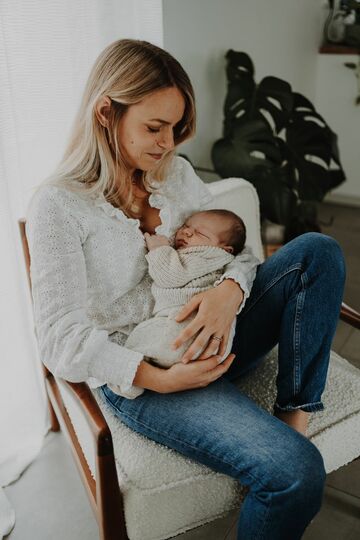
[47, 48]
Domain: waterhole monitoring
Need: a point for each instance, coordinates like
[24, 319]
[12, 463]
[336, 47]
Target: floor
[41, 498]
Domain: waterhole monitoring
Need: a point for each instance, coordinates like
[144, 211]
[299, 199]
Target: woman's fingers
[196, 374]
[187, 333]
[211, 349]
[218, 369]
[224, 343]
[197, 347]
[215, 346]
[189, 307]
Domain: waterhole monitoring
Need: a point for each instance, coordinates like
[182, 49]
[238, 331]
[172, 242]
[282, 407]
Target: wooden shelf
[338, 48]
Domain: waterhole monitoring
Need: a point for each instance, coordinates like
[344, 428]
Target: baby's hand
[154, 241]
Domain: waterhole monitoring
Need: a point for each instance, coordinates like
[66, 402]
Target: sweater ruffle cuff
[118, 370]
[241, 280]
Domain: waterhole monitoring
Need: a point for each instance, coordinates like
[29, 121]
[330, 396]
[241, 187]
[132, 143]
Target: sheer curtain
[46, 52]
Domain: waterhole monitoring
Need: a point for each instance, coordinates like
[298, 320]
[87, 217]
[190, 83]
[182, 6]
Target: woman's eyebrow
[159, 120]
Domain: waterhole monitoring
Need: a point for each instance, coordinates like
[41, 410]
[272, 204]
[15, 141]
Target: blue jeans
[295, 302]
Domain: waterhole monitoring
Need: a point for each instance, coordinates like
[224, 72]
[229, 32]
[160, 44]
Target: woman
[119, 178]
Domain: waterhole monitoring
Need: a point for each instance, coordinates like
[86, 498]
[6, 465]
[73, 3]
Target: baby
[203, 246]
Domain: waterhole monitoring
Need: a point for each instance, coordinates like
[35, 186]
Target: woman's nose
[167, 139]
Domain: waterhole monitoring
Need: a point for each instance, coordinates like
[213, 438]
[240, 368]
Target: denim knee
[313, 475]
[308, 477]
[302, 475]
[326, 250]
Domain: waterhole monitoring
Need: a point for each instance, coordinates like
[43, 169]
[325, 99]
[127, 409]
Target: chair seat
[164, 490]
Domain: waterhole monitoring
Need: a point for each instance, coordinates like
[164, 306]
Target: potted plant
[274, 138]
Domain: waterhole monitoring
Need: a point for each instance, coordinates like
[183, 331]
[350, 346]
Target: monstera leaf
[312, 149]
[274, 138]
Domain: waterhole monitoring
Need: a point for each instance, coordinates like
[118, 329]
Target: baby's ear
[229, 249]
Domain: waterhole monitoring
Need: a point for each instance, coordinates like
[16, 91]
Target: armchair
[140, 490]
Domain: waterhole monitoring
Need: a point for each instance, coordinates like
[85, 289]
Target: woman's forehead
[166, 106]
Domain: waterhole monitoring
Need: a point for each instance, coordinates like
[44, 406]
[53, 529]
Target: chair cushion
[156, 481]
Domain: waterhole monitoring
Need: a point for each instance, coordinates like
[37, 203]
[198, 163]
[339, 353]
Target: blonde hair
[126, 71]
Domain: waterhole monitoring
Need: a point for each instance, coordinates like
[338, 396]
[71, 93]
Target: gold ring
[217, 338]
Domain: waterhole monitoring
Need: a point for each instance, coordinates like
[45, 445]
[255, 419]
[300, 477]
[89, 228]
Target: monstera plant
[274, 138]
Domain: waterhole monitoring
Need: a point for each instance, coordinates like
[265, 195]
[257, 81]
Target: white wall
[281, 37]
[336, 91]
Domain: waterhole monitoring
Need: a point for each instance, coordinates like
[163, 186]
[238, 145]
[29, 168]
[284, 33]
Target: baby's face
[202, 229]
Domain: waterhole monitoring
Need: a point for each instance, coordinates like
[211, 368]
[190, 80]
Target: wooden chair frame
[104, 493]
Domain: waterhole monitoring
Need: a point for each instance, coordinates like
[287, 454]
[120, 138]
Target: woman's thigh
[221, 428]
[283, 306]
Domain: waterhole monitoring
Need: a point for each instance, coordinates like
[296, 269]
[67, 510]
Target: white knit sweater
[89, 275]
[180, 274]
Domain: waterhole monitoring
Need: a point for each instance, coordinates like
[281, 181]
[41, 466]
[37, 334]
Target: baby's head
[220, 228]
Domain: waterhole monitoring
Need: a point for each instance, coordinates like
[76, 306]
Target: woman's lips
[156, 156]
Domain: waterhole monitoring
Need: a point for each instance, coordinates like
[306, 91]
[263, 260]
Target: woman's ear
[102, 110]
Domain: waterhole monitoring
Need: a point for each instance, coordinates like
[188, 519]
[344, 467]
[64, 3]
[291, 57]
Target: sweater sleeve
[167, 269]
[69, 344]
[242, 270]
[172, 269]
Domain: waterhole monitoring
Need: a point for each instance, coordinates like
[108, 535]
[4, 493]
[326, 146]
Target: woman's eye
[153, 130]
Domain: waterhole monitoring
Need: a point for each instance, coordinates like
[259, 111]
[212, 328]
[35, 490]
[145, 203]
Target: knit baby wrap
[177, 276]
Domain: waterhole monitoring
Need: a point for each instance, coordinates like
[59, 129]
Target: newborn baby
[203, 246]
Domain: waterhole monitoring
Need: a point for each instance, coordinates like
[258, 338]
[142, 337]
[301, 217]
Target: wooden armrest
[350, 315]
[91, 411]
[93, 415]
[104, 494]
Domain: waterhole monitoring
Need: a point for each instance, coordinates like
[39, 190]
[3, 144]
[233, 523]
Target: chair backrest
[240, 196]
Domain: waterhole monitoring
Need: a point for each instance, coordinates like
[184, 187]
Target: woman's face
[146, 129]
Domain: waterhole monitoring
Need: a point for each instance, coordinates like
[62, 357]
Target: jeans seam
[297, 337]
[246, 474]
[260, 535]
[296, 266]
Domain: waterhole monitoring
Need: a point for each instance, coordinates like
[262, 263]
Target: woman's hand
[196, 374]
[216, 310]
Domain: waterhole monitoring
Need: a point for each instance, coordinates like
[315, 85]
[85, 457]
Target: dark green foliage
[274, 138]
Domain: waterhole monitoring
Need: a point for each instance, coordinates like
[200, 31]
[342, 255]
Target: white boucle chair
[141, 490]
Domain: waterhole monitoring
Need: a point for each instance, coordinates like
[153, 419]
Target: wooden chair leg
[54, 423]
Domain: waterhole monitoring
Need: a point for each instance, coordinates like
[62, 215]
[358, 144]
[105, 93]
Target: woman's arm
[242, 270]
[70, 345]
